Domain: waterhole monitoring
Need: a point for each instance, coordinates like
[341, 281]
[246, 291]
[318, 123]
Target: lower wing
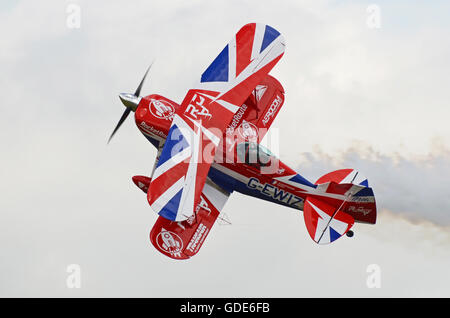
[182, 240]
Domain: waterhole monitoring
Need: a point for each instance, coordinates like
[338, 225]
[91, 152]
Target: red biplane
[209, 146]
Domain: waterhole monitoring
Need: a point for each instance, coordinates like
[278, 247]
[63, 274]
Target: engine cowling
[154, 116]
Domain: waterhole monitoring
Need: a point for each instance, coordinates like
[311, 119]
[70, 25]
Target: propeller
[131, 102]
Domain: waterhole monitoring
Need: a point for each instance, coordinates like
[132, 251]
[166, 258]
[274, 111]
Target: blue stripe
[270, 34]
[299, 179]
[218, 70]
[365, 192]
[221, 179]
[175, 143]
[169, 211]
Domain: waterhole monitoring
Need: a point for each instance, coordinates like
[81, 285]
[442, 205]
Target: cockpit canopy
[253, 153]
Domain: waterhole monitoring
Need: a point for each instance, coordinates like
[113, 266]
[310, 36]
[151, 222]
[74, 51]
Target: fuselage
[240, 164]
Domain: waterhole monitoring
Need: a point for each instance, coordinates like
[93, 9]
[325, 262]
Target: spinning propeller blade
[138, 90]
[122, 119]
[131, 102]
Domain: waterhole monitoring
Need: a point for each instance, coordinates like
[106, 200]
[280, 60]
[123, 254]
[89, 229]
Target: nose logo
[161, 109]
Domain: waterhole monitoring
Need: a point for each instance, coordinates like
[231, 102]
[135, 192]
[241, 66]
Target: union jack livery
[209, 146]
[205, 112]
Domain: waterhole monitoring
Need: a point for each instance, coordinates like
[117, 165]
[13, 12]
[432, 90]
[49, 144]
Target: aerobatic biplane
[209, 146]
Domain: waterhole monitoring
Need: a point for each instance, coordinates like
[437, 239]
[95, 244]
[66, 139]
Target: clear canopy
[253, 153]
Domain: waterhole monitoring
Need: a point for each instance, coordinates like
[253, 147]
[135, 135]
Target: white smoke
[416, 188]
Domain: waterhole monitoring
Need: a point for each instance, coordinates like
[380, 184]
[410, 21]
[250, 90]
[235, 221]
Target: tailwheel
[349, 233]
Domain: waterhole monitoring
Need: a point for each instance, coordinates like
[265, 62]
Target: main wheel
[349, 233]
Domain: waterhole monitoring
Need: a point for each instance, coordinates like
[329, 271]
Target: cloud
[68, 198]
[414, 188]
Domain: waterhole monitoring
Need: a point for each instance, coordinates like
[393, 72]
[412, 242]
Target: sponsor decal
[248, 130]
[161, 109]
[276, 193]
[272, 110]
[195, 109]
[151, 131]
[202, 205]
[169, 242]
[236, 119]
[359, 209]
[193, 218]
[259, 91]
[198, 238]
[361, 199]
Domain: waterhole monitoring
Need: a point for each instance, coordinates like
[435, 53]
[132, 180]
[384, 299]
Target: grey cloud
[68, 198]
[417, 189]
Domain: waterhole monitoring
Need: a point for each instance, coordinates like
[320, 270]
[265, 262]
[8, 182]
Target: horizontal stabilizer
[344, 176]
[350, 182]
[142, 182]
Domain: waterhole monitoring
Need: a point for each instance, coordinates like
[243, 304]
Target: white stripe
[349, 177]
[211, 86]
[210, 135]
[207, 132]
[271, 52]
[258, 39]
[275, 49]
[232, 59]
[168, 195]
[186, 208]
[183, 128]
[231, 107]
[172, 162]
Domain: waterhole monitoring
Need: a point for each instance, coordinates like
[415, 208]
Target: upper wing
[181, 240]
[205, 112]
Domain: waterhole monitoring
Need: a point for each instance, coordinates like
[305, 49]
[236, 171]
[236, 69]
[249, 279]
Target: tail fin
[324, 222]
[327, 217]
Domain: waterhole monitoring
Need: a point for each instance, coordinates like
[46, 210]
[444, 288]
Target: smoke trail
[417, 189]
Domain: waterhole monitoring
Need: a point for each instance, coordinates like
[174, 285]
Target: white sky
[372, 99]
